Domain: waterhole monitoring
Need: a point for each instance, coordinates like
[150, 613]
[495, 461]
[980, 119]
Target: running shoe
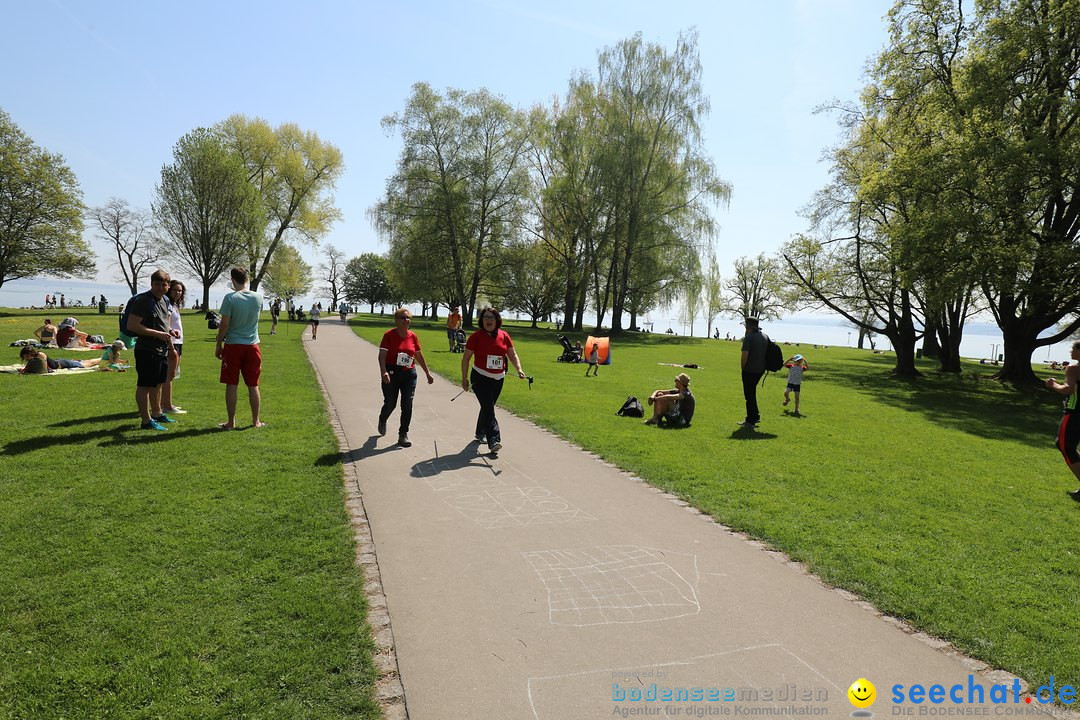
[152, 425]
[163, 418]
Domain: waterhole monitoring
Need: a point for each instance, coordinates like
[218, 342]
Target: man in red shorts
[238, 346]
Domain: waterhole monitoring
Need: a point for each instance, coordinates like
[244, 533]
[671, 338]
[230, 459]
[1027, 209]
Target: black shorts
[152, 368]
[315, 323]
[179, 348]
[1068, 437]
[792, 386]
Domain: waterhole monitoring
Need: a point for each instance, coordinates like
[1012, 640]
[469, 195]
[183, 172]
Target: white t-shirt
[175, 324]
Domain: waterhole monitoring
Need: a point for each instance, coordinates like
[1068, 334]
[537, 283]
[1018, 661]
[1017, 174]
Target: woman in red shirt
[488, 348]
[399, 351]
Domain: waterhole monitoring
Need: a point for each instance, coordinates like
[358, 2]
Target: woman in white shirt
[177, 293]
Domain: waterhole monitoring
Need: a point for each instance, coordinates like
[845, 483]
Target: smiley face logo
[862, 693]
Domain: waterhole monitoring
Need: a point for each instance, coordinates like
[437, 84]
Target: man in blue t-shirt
[238, 346]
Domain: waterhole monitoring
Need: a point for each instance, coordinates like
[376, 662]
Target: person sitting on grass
[676, 406]
[68, 337]
[111, 357]
[46, 334]
[36, 362]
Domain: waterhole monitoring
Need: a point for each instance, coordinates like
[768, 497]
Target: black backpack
[774, 357]
[631, 408]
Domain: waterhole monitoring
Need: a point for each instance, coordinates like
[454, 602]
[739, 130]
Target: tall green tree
[208, 211]
[757, 288]
[41, 211]
[289, 275]
[661, 181]
[530, 283]
[295, 173]
[460, 186]
[366, 280]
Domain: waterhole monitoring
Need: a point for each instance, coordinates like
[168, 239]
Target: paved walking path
[544, 584]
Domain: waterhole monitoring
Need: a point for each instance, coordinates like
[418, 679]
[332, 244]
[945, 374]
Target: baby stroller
[570, 353]
[459, 341]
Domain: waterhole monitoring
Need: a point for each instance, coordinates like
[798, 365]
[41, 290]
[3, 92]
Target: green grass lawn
[194, 573]
[940, 500]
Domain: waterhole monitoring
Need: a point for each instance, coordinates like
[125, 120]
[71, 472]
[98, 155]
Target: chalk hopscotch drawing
[742, 670]
[616, 584]
[470, 479]
[516, 507]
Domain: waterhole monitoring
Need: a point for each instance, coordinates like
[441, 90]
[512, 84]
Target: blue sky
[113, 85]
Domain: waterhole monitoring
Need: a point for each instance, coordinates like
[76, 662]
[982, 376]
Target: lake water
[981, 339]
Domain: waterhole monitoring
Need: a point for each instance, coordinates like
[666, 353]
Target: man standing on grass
[238, 346]
[754, 345]
[148, 323]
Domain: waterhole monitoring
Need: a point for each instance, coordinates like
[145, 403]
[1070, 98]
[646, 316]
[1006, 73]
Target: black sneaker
[1074, 494]
[382, 427]
[480, 439]
[403, 440]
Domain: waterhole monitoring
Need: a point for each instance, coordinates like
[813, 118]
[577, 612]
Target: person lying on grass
[36, 362]
[676, 406]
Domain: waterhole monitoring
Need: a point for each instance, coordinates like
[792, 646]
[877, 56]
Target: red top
[400, 351]
[489, 353]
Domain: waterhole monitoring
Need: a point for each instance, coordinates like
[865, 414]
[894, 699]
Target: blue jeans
[402, 382]
[487, 391]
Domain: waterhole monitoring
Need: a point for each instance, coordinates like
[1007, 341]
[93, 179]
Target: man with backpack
[148, 322]
[754, 346]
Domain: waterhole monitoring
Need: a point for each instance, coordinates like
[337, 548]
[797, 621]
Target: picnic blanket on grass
[70, 371]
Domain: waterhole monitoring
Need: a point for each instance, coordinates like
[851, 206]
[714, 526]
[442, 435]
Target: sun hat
[119, 344]
[683, 378]
[797, 357]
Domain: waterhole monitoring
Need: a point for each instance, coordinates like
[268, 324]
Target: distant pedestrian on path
[453, 323]
[148, 323]
[316, 310]
[487, 349]
[594, 360]
[1069, 431]
[752, 360]
[399, 352]
[796, 365]
[238, 347]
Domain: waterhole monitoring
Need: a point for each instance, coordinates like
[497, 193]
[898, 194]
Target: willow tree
[653, 162]
[295, 173]
[459, 191]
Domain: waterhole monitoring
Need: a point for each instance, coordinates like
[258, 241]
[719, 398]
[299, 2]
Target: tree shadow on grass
[95, 419]
[973, 402]
[137, 435]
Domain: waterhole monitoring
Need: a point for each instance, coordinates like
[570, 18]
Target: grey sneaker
[747, 423]
[382, 427]
[495, 446]
[403, 440]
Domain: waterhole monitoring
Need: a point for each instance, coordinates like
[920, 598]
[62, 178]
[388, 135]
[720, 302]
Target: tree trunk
[1020, 343]
[930, 346]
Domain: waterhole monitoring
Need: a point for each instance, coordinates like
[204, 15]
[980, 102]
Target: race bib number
[495, 362]
[404, 360]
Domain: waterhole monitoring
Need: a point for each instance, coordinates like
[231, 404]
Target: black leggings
[403, 382]
[487, 391]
